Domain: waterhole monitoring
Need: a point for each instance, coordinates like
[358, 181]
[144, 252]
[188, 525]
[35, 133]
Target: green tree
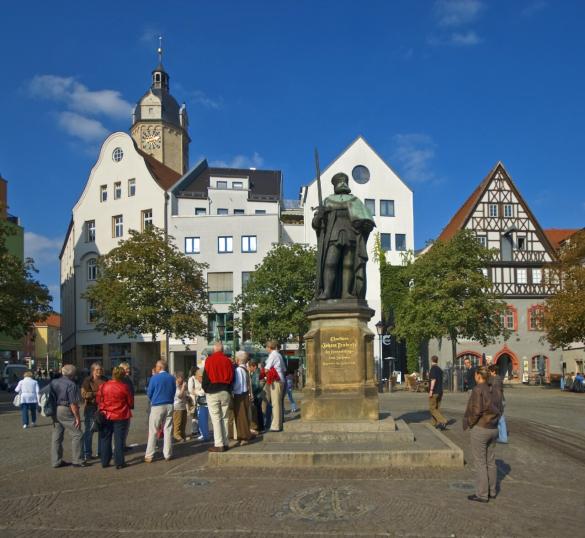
[449, 296]
[279, 291]
[564, 317]
[23, 299]
[147, 286]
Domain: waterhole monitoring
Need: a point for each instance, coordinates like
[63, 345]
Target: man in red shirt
[218, 377]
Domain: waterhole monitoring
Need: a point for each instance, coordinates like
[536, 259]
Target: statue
[343, 224]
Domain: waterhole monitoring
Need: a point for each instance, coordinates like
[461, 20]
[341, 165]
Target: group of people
[484, 417]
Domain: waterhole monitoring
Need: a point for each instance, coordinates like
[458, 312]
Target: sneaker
[24, 426]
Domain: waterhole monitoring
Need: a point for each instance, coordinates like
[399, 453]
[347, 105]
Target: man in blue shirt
[161, 393]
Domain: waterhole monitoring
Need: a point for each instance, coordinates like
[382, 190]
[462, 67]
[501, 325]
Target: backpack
[48, 401]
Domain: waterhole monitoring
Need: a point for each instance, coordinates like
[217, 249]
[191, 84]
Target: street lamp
[380, 331]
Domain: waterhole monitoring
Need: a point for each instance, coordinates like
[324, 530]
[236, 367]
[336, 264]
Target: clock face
[151, 138]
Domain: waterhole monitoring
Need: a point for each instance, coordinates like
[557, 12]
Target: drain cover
[197, 483]
[462, 486]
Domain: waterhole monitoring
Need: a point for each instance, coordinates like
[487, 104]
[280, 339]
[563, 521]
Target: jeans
[293, 404]
[88, 415]
[203, 420]
[117, 429]
[502, 430]
[24, 409]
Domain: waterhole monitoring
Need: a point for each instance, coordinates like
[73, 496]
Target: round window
[117, 155]
[360, 174]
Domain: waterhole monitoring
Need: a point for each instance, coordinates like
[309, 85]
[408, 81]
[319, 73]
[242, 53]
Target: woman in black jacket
[481, 417]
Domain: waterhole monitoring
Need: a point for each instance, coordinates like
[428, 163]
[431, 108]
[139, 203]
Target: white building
[384, 193]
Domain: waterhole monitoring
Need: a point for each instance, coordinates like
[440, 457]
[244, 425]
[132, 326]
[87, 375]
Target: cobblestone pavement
[541, 472]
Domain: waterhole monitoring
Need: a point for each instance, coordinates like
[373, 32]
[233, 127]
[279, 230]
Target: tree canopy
[278, 292]
[23, 299]
[564, 316]
[147, 286]
[449, 296]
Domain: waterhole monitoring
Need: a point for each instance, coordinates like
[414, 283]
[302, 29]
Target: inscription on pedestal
[337, 350]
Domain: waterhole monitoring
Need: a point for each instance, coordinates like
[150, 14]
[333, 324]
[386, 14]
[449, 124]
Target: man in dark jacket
[469, 381]
[436, 394]
[218, 377]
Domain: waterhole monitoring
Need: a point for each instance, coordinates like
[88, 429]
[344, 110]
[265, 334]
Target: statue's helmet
[340, 182]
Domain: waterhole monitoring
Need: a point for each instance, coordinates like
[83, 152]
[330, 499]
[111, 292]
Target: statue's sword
[320, 237]
[319, 192]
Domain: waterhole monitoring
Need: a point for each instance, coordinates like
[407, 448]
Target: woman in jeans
[481, 417]
[89, 390]
[28, 388]
[115, 402]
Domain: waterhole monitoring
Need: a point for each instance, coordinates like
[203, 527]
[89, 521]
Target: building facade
[501, 219]
[42, 346]
[389, 199]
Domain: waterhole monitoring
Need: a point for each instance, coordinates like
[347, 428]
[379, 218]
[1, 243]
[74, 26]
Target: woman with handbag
[27, 398]
[115, 402]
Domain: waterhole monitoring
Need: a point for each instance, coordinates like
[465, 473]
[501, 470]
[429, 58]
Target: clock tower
[159, 124]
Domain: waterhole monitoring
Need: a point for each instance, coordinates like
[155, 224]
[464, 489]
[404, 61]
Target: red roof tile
[166, 177]
[556, 236]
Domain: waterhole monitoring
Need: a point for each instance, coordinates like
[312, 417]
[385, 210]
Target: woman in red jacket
[115, 402]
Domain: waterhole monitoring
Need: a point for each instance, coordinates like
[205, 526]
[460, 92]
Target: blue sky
[441, 89]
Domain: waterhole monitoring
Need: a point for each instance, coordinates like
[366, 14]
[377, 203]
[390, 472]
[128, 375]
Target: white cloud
[87, 129]
[44, 250]
[465, 39]
[534, 7]
[78, 97]
[198, 97]
[451, 13]
[240, 161]
[413, 152]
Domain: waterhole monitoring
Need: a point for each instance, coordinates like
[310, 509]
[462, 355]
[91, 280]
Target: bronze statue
[343, 224]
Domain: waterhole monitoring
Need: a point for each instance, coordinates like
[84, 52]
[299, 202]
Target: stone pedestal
[340, 383]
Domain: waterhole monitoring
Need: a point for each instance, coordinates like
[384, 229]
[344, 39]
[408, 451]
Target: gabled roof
[166, 177]
[53, 320]
[557, 236]
[265, 185]
[69, 229]
[459, 220]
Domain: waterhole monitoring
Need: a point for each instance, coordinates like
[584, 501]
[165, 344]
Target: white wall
[384, 184]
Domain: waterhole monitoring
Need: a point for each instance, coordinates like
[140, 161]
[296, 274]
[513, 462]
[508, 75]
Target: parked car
[11, 375]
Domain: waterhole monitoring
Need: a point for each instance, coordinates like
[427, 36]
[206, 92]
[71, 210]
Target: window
[220, 327]
[535, 318]
[104, 193]
[537, 276]
[91, 269]
[200, 211]
[260, 212]
[220, 287]
[386, 242]
[117, 190]
[521, 243]
[482, 240]
[387, 208]
[92, 351]
[117, 226]
[91, 312]
[117, 155]
[222, 211]
[238, 185]
[192, 245]
[521, 276]
[239, 212]
[493, 210]
[249, 243]
[246, 278]
[360, 174]
[221, 184]
[508, 319]
[146, 219]
[89, 231]
[131, 187]
[370, 203]
[225, 244]
[508, 213]
[400, 241]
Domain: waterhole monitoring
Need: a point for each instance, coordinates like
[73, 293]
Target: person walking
[275, 369]
[115, 401]
[68, 398]
[242, 397]
[161, 393]
[180, 409]
[481, 417]
[127, 378]
[436, 394]
[28, 388]
[218, 376]
[89, 390]
[289, 393]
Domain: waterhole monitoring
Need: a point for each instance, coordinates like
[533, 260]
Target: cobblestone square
[541, 475]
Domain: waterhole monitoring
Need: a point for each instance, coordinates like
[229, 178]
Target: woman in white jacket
[28, 388]
[198, 396]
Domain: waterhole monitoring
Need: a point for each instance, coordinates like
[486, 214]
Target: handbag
[201, 400]
[16, 401]
[99, 420]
